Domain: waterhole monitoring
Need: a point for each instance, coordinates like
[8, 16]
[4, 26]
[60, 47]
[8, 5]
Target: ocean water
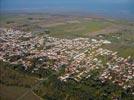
[119, 8]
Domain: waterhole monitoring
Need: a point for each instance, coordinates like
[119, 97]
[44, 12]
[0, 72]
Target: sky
[102, 6]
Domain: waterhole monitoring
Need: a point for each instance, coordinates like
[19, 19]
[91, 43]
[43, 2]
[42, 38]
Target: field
[122, 42]
[14, 92]
[81, 29]
[14, 84]
[58, 25]
[9, 76]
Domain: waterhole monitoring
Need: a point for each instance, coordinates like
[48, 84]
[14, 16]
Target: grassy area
[59, 26]
[122, 42]
[123, 51]
[82, 29]
[126, 51]
[15, 78]
[14, 84]
[14, 92]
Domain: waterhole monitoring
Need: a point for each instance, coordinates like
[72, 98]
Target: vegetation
[14, 78]
[75, 27]
[87, 89]
[82, 29]
[14, 92]
[122, 42]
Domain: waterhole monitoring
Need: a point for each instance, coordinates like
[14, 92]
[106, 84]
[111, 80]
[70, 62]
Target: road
[34, 87]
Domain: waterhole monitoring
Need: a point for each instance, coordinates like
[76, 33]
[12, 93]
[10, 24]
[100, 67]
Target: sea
[112, 8]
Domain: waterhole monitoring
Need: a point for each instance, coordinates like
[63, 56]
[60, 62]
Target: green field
[59, 26]
[82, 29]
[122, 42]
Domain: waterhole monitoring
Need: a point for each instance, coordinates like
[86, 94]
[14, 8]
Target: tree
[47, 31]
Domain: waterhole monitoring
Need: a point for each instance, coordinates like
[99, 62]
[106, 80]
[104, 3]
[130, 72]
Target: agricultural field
[122, 42]
[81, 29]
[58, 25]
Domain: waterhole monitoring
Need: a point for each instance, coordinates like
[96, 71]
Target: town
[79, 56]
